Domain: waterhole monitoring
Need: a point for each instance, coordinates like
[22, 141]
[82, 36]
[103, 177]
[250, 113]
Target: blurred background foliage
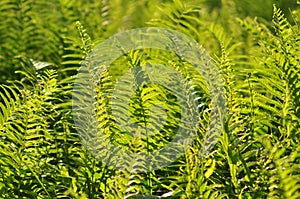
[41, 30]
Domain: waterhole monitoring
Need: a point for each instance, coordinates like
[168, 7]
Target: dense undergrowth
[256, 46]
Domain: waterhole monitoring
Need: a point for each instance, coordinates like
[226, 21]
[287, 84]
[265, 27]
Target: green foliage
[42, 45]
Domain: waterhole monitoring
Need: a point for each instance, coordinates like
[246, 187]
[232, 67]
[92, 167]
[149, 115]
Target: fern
[26, 130]
[48, 152]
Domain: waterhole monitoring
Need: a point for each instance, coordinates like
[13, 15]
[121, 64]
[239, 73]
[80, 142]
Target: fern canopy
[246, 148]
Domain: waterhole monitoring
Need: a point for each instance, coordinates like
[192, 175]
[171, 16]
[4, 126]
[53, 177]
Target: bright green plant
[42, 45]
